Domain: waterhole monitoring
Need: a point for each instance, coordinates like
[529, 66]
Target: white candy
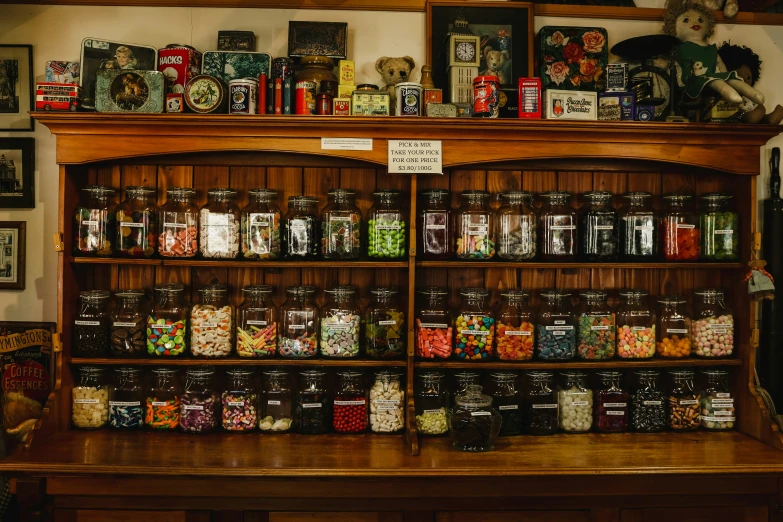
[211, 330]
[90, 407]
[219, 234]
[387, 407]
[576, 409]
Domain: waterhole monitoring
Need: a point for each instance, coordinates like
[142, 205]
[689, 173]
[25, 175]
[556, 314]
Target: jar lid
[474, 194]
[593, 294]
[679, 198]
[597, 196]
[387, 193]
[222, 192]
[314, 59]
[539, 375]
[300, 290]
[312, 374]
[165, 371]
[92, 370]
[637, 195]
[181, 192]
[170, 287]
[302, 200]
[350, 374]
[473, 398]
[556, 194]
[341, 193]
[341, 290]
[681, 373]
[503, 376]
[628, 292]
[610, 374]
[435, 193]
[671, 300]
[516, 195]
[129, 294]
[367, 87]
[554, 293]
[139, 191]
[432, 291]
[258, 289]
[575, 374]
[388, 374]
[99, 190]
[263, 194]
[213, 289]
[647, 373]
[203, 371]
[715, 372]
[127, 370]
[716, 196]
[384, 291]
[467, 374]
[515, 294]
[431, 376]
[474, 292]
[240, 372]
[94, 295]
[708, 292]
[276, 373]
[485, 79]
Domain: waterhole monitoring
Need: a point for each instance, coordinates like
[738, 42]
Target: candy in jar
[312, 414]
[387, 403]
[200, 403]
[219, 225]
[300, 234]
[341, 224]
[475, 227]
[349, 411]
[126, 398]
[257, 323]
[90, 399]
[432, 401]
[239, 400]
[648, 403]
[162, 402]
[515, 226]
[128, 324]
[167, 324]
[436, 239]
[137, 223]
[260, 223]
[474, 326]
[540, 404]
[95, 227]
[386, 228]
[298, 336]
[712, 327]
[638, 232]
[555, 327]
[597, 330]
[276, 408]
[719, 229]
[679, 229]
[575, 403]
[473, 424]
[434, 332]
[384, 325]
[611, 404]
[340, 322]
[599, 227]
[91, 325]
[515, 327]
[507, 399]
[718, 412]
[557, 228]
[211, 323]
[673, 328]
[635, 326]
[684, 401]
[178, 224]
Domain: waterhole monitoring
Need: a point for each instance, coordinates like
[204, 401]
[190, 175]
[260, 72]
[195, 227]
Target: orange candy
[433, 340]
[674, 346]
[514, 343]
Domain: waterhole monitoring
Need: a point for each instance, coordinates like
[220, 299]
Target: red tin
[324, 103]
[178, 63]
[342, 106]
[431, 96]
[486, 97]
[530, 98]
[305, 97]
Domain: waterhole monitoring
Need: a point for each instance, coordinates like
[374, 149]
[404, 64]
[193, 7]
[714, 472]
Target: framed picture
[505, 30]
[16, 172]
[12, 255]
[16, 87]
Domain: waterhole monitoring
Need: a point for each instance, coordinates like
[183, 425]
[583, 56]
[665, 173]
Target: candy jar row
[202, 404]
[220, 230]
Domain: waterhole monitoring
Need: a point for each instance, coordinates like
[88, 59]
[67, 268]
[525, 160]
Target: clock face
[465, 51]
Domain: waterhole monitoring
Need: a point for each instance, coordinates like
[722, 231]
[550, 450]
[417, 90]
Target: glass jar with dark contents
[474, 424]
[129, 324]
[507, 399]
[540, 404]
[648, 403]
[312, 414]
[611, 403]
[555, 327]
[276, 402]
[599, 228]
[91, 325]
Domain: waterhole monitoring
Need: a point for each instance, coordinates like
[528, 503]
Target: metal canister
[305, 97]
[530, 98]
[486, 97]
[243, 94]
[324, 104]
[283, 68]
[409, 98]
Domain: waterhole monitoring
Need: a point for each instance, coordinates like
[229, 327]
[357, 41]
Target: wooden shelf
[579, 365]
[235, 361]
[556, 265]
[115, 261]
[233, 263]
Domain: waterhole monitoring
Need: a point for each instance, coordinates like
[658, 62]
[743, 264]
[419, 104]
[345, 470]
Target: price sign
[415, 157]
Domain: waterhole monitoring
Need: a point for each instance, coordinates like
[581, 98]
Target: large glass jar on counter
[386, 227]
[555, 327]
[474, 326]
[638, 232]
[463, 379]
[474, 424]
[597, 330]
[515, 226]
[257, 323]
[718, 412]
[384, 325]
[260, 222]
[91, 325]
[515, 327]
[719, 229]
[128, 324]
[300, 230]
[436, 238]
[219, 225]
[557, 233]
[673, 328]
[611, 404]
[340, 321]
[432, 402]
[341, 226]
[387, 403]
[239, 400]
[433, 324]
[212, 323]
[137, 223]
[599, 228]
[167, 324]
[635, 326]
[507, 399]
[162, 401]
[298, 337]
[679, 229]
[200, 402]
[712, 328]
[90, 399]
[178, 224]
[540, 404]
[648, 403]
[276, 404]
[95, 228]
[349, 411]
[126, 399]
[313, 405]
[684, 401]
[575, 403]
[475, 226]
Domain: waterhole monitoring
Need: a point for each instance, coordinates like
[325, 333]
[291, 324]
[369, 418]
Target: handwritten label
[415, 157]
[508, 407]
[433, 325]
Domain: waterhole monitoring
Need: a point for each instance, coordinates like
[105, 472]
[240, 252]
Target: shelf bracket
[59, 246]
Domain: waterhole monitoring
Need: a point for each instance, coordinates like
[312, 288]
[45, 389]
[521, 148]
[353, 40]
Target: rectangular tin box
[345, 91]
[617, 77]
[62, 72]
[609, 108]
[179, 64]
[230, 65]
[572, 58]
[431, 96]
[441, 110]
[570, 105]
[346, 74]
[130, 90]
[236, 41]
[318, 38]
[342, 106]
[529, 98]
[509, 102]
[370, 103]
[626, 101]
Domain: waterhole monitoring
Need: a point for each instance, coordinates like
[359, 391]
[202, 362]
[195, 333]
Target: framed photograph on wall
[16, 87]
[12, 255]
[16, 172]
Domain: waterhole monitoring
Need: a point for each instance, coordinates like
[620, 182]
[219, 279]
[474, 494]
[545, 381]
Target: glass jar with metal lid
[167, 324]
[719, 229]
[298, 337]
[349, 410]
[462, 379]
[718, 412]
[239, 400]
[474, 424]
[386, 227]
[257, 323]
[384, 325]
[673, 328]
[300, 230]
[515, 332]
[90, 399]
[212, 323]
[341, 224]
[635, 326]
[507, 399]
[575, 403]
[387, 403]
[611, 404]
[515, 226]
[436, 238]
[162, 401]
[276, 405]
[126, 399]
[432, 402]
[638, 228]
[137, 223]
[95, 228]
[178, 224]
[684, 401]
[219, 225]
[474, 326]
[434, 332]
[260, 222]
[540, 404]
[340, 322]
[475, 223]
[200, 402]
[312, 414]
[597, 330]
[557, 232]
[91, 325]
[599, 228]
[648, 403]
[128, 329]
[555, 327]
[712, 328]
[679, 229]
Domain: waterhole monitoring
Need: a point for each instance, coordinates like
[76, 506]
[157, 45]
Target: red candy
[350, 414]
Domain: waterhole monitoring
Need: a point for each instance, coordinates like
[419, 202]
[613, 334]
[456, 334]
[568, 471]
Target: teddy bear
[394, 71]
[496, 61]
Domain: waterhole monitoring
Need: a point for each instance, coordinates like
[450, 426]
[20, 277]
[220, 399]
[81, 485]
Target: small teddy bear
[394, 71]
[496, 61]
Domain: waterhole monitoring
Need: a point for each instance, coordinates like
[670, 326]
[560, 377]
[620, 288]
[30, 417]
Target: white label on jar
[563, 227]
[518, 332]
[87, 323]
[508, 407]
[349, 403]
[298, 225]
[236, 403]
[685, 226]
[387, 405]
[722, 402]
[124, 325]
[131, 225]
[273, 403]
[433, 411]
[86, 401]
[194, 407]
[174, 225]
[722, 394]
[255, 323]
[677, 331]
[720, 331]
[559, 322]
[556, 328]
[615, 412]
[604, 227]
[638, 328]
[90, 223]
[718, 419]
[545, 406]
[604, 327]
[647, 228]
[688, 402]
[638, 314]
[160, 403]
[474, 332]
[206, 325]
[386, 323]
[435, 227]
[312, 405]
[615, 405]
[480, 413]
[340, 218]
[395, 226]
[433, 325]
[652, 403]
[724, 231]
[296, 327]
[161, 326]
[338, 326]
[124, 403]
[723, 413]
[580, 403]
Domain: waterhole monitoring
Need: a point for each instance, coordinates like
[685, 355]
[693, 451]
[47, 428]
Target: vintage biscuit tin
[283, 67]
[205, 94]
[644, 113]
[431, 96]
[626, 101]
[486, 97]
[441, 110]
[409, 99]
[179, 63]
[130, 90]
[175, 102]
[617, 77]
[236, 41]
[243, 96]
[570, 105]
[529, 98]
[370, 103]
[464, 110]
[230, 65]
[609, 108]
[572, 58]
[509, 102]
[341, 106]
[104, 55]
[346, 72]
[305, 97]
[62, 72]
[328, 39]
[721, 111]
[345, 91]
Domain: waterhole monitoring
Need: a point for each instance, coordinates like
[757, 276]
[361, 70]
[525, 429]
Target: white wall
[56, 33]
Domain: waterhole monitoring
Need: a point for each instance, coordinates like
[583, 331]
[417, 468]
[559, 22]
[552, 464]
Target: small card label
[433, 325]
[481, 413]
[677, 331]
[545, 406]
[652, 403]
[508, 407]
[346, 144]
[124, 325]
[241, 404]
[615, 405]
[87, 323]
[518, 332]
[273, 403]
[387, 323]
[312, 405]
[255, 323]
[474, 332]
[86, 401]
[126, 403]
[160, 403]
[615, 412]
[194, 407]
[349, 403]
[688, 402]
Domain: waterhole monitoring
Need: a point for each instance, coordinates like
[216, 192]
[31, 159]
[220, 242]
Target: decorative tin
[486, 97]
[305, 97]
[62, 72]
[175, 102]
[346, 72]
[236, 41]
[104, 54]
[345, 91]
[645, 113]
[288, 96]
[617, 77]
[530, 98]
[179, 63]
[509, 102]
[409, 99]
[341, 106]
[262, 93]
[323, 104]
[370, 103]
[571, 105]
[573, 58]
[230, 65]
[278, 96]
[609, 108]
[318, 38]
[283, 67]
[624, 99]
[243, 96]
[205, 94]
[431, 96]
[464, 110]
[130, 90]
[721, 111]
[441, 110]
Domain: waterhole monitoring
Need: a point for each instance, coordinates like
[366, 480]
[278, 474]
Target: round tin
[205, 94]
[305, 97]
[283, 67]
[486, 97]
[243, 96]
[409, 98]
[367, 87]
[324, 104]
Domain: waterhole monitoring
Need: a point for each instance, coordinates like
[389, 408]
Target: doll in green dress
[698, 63]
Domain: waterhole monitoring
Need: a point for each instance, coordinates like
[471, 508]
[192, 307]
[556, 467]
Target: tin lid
[181, 46]
[473, 398]
[408, 84]
[241, 81]
[367, 87]
[485, 79]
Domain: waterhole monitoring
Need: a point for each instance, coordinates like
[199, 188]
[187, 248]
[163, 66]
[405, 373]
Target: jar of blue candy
[555, 327]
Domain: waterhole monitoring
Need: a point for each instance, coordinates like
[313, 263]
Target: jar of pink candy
[712, 327]
[635, 326]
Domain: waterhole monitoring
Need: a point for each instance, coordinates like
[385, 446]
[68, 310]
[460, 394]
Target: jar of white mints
[576, 403]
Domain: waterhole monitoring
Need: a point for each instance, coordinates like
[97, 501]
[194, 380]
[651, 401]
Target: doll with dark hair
[747, 65]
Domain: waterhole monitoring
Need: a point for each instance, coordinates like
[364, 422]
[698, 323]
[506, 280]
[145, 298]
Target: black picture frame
[13, 254]
[17, 90]
[17, 183]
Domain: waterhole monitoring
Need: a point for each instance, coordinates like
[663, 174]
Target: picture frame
[17, 165]
[486, 20]
[17, 96]
[13, 249]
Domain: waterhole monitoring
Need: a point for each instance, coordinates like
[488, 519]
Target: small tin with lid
[243, 95]
[486, 97]
[91, 325]
[409, 99]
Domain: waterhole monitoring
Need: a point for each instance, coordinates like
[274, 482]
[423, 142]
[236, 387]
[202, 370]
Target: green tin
[130, 90]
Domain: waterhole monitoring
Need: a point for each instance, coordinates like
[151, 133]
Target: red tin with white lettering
[342, 106]
[178, 63]
[530, 98]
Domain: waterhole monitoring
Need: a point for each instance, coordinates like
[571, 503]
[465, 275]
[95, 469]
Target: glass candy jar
[162, 401]
[679, 229]
[126, 397]
[432, 402]
[91, 325]
[515, 327]
[648, 403]
[463, 379]
[387, 403]
[712, 328]
[598, 228]
[167, 324]
[673, 328]
[90, 399]
[555, 327]
[128, 330]
[638, 237]
[474, 424]
[340, 321]
[515, 227]
[719, 229]
[239, 400]
[475, 227]
[384, 325]
[636, 326]
[212, 323]
[718, 412]
[178, 224]
[597, 331]
[507, 399]
[300, 231]
[386, 228]
[95, 228]
[276, 404]
[611, 404]
[684, 401]
[257, 323]
[433, 324]
[557, 228]
[137, 223]
[341, 224]
[219, 225]
[436, 238]
[575, 403]
[312, 415]
[349, 411]
[474, 326]
[540, 404]
[260, 224]
[298, 337]
[200, 403]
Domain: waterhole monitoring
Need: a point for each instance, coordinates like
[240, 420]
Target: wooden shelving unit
[237, 361]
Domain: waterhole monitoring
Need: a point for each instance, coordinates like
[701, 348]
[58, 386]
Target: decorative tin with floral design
[573, 58]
